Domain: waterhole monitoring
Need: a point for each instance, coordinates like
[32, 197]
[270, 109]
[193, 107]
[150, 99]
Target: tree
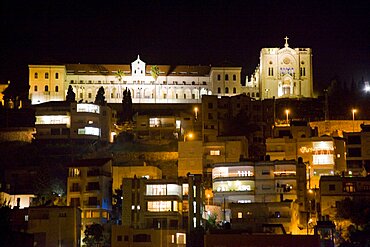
[117, 205]
[119, 75]
[93, 235]
[71, 96]
[5, 226]
[154, 71]
[100, 97]
[126, 115]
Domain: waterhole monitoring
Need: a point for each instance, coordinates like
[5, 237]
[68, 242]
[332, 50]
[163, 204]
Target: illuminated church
[282, 72]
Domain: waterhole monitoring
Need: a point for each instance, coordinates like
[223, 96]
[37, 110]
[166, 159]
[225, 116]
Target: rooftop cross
[286, 41]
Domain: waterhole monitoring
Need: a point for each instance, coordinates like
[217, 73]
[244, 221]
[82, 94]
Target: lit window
[159, 206]
[132, 207]
[53, 119]
[89, 131]
[215, 152]
[26, 217]
[240, 215]
[180, 238]
[88, 108]
[154, 122]
[88, 214]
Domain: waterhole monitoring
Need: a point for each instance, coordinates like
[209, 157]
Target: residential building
[358, 151]
[156, 212]
[255, 216]
[264, 181]
[282, 72]
[122, 171]
[334, 189]
[50, 226]
[61, 120]
[323, 155]
[89, 187]
[196, 156]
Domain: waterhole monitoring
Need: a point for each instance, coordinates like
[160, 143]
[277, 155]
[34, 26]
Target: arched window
[218, 77]
[257, 95]
[219, 90]
[46, 88]
[253, 95]
[226, 77]
[36, 75]
[226, 90]
[56, 89]
[234, 77]
[46, 75]
[57, 75]
[35, 88]
[234, 90]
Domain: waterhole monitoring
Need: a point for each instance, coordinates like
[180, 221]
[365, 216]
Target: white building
[80, 121]
[173, 84]
[282, 72]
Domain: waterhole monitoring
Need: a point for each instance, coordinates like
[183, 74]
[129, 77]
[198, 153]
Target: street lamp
[196, 113]
[287, 115]
[189, 135]
[353, 119]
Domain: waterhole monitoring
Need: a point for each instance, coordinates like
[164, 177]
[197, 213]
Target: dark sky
[184, 32]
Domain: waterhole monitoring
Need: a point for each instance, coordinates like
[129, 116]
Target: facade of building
[64, 120]
[334, 189]
[50, 226]
[173, 84]
[89, 187]
[282, 72]
[358, 151]
[322, 155]
[156, 212]
[264, 181]
[196, 156]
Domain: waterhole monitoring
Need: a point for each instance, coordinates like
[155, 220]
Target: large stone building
[284, 72]
[172, 84]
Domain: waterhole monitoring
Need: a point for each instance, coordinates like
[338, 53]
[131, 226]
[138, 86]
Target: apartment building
[334, 189]
[50, 226]
[157, 212]
[323, 155]
[61, 120]
[89, 187]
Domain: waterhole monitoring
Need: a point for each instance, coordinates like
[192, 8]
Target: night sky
[184, 32]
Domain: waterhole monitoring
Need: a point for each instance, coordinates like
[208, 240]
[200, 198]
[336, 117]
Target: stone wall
[17, 134]
[166, 161]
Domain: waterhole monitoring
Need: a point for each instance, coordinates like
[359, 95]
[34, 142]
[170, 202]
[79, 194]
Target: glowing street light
[196, 112]
[353, 119]
[287, 115]
[188, 136]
